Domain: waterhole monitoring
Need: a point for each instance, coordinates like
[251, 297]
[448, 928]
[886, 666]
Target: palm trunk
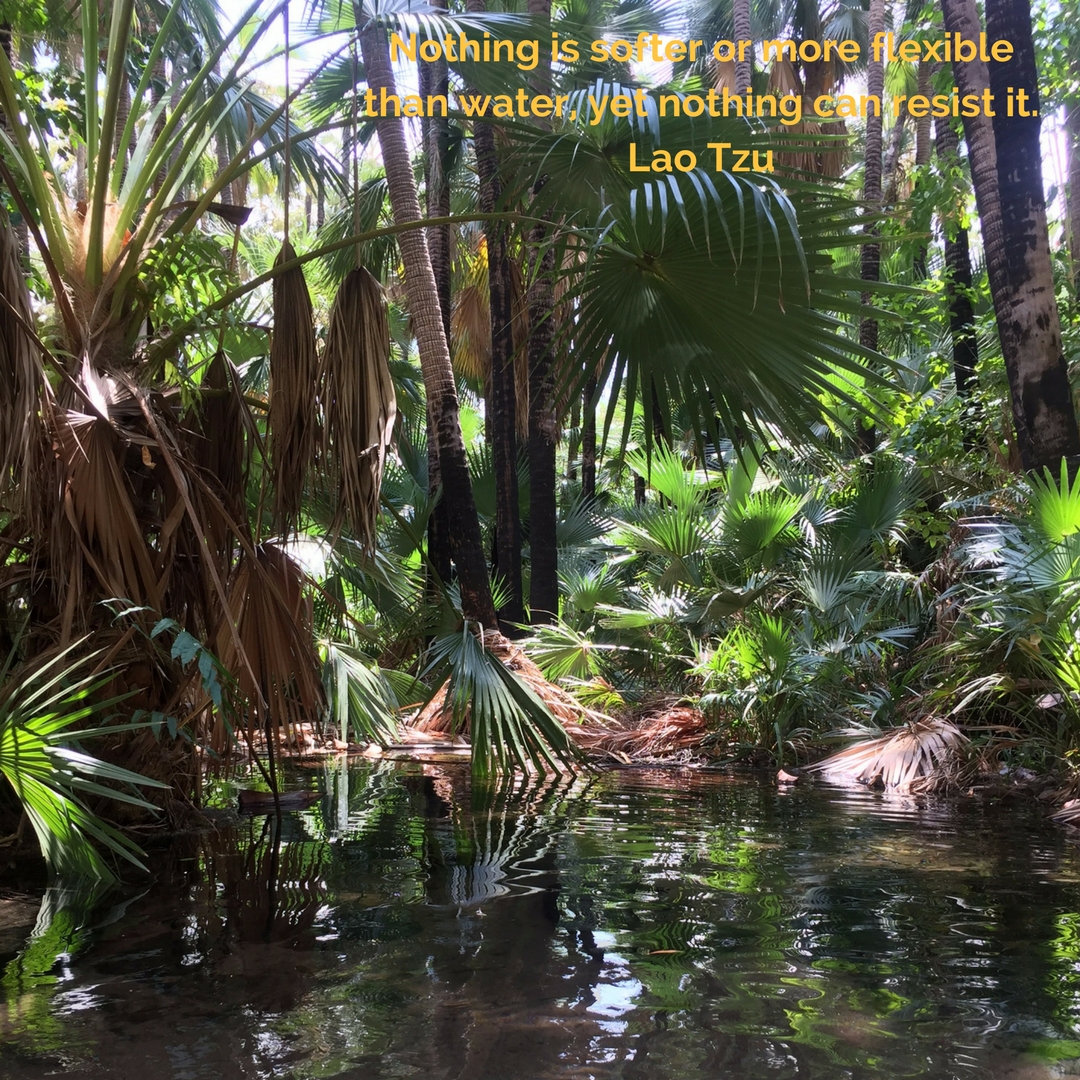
[1072, 191]
[543, 425]
[573, 451]
[1046, 395]
[502, 400]
[1006, 171]
[221, 148]
[923, 148]
[740, 10]
[466, 541]
[871, 252]
[965, 345]
[588, 440]
[891, 168]
[435, 79]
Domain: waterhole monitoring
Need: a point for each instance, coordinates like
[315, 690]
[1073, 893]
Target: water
[633, 926]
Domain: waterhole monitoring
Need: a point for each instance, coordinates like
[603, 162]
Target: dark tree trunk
[891, 168]
[639, 489]
[502, 400]
[1006, 169]
[466, 540]
[923, 148]
[435, 79]
[588, 439]
[871, 252]
[543, 424]
[965, 344]
[573, 451]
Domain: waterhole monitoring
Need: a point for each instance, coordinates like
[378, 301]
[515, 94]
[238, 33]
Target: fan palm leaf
[915, 757]
[41, 711]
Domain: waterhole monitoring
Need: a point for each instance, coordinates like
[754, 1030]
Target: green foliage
[509, 725]
[42, 711]
[361, 702]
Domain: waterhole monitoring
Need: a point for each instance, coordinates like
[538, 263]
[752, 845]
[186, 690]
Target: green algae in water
[1054, 1050]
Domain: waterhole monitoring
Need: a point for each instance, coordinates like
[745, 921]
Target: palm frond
[513, 715]
[294, 364]
[1055, 504]
[359, 403]
[40, 711]
[359, 702]
[919, 756]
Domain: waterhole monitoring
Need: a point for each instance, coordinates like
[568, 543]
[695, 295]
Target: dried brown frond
[1069, 814]
[470, 332]
[813, 155]
[278, 670]
[917, 757]
[77, 223]
[359, 404]
[679, 727]
[220, 450]
[437, 716]
[98, 512]
[20, 376]
[784, 77]
[294, 372]
[723, 74]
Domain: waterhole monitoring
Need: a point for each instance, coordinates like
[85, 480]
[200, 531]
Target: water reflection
[626, 926]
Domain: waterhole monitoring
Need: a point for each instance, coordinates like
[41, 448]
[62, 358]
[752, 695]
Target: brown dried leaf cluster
[359, 404]
[679, 727]
[294, 380]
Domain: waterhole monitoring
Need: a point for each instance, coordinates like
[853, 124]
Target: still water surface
[638, 926]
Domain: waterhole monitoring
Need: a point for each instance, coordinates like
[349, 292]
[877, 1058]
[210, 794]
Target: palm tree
[435, 79]
[1043, 376]
[1072, 128]
[1006, 170]
[466, 541]
[502, 401]
[128, 446]
[543, 423]
[965, 343]
[870, 269]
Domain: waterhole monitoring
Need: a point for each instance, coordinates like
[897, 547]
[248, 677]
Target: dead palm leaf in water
[916, 757]
[294, 371]
[1069, 814]
[359, 402]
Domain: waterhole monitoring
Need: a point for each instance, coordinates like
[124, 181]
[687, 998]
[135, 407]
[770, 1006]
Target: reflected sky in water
[634, 925]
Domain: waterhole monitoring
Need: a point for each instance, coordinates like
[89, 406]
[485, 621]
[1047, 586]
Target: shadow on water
[638, 926]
